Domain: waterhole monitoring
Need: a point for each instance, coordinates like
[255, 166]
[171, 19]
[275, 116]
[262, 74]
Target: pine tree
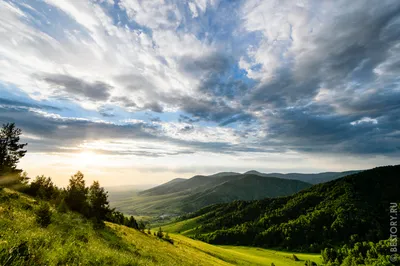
[77, 193]
[11, 151]
[98, 201]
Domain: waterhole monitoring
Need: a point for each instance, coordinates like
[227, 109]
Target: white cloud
[365, 120]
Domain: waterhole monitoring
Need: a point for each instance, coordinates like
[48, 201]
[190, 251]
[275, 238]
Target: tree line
[90, 201]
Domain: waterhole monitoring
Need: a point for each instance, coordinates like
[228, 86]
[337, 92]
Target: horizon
[137, 92]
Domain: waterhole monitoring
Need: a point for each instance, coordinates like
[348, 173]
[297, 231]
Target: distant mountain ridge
[309, 178]
[180, 196]
[181, 184]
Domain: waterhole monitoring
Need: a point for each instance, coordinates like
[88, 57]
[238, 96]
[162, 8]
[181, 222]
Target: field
[71, 239]
[182, 227]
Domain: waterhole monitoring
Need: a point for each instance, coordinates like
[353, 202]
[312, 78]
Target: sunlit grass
[72, 240]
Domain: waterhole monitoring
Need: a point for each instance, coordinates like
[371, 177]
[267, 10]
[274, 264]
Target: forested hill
[354, 207]
[201, 182]
[182, 196]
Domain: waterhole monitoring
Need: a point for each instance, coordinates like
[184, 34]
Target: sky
[141, 92]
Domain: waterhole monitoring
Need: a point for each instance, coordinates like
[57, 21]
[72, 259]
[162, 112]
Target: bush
[43, 215]
[310, 263]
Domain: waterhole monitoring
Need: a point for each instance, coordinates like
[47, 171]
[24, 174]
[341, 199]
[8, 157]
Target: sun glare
[86, 158]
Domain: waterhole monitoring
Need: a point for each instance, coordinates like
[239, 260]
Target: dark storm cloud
[215, 110]
[347, 50]
[96, 91]
[355, 58]
[305, 130]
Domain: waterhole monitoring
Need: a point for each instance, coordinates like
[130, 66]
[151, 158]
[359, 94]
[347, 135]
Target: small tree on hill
[98, 201]
[43, 215]
[160, 233]
[141, 225]
[76, 194]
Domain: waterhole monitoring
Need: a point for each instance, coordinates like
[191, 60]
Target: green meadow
[71, 239]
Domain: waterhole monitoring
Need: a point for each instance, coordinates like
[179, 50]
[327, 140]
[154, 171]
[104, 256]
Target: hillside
[353, 207]
[187, 195]
[72, 240]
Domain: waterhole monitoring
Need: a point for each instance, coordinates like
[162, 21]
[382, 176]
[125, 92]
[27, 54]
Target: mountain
[348, 209]
[187, 195]
[309, 178]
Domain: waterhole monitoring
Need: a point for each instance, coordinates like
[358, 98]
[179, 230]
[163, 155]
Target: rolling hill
[70, 239]
[187, 195]
[350, 209]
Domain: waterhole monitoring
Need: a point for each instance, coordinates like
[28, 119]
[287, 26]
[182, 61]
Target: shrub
[310, 263]
[43, 215]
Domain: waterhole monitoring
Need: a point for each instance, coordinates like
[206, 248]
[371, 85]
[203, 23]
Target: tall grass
[68, 240]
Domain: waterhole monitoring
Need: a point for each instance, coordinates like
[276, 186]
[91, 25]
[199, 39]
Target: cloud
[10, 102]
[222, 76]
[95, 91]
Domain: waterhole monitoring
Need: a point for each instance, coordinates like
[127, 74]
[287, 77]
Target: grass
[72, 240]
[267, 256]
[182, 227]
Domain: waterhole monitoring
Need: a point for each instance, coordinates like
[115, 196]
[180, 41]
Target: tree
[98, 201]
[160, 233]
[11, 150]
[141, 225]
[132, 223]
[43, 188]
[77, 193]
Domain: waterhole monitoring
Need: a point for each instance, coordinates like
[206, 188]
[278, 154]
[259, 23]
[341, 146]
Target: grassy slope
[182, 227]
[72, 240]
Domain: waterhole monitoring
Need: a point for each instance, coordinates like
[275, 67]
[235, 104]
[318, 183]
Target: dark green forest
[353, 211]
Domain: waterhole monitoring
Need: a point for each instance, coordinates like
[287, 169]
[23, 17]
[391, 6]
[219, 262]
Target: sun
[86, 158]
